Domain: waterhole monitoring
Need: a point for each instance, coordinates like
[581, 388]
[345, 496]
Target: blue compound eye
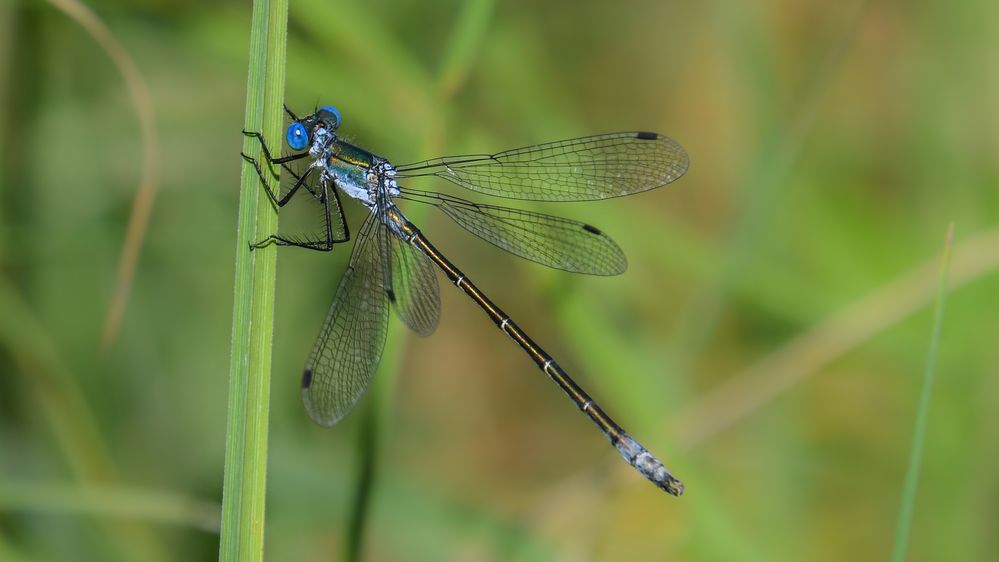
[332, 111]
[297, 136]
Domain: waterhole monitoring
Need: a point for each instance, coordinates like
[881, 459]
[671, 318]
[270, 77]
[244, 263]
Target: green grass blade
[459, 55]
[766, 182]
[907, 507]
[106, 501]
[368, 447]
[145, 195]
[56, 389]
[253, 308]
[471, 27]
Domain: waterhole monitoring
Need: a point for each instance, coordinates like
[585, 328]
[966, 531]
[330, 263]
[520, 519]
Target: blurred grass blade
[109, 501]
[922, 413]
[752, 388]
[65, 407]
[473, 21]
[142, 206]
[56, 388]
[244, 487]
[767, 180]
[459, 55]
[368, 441]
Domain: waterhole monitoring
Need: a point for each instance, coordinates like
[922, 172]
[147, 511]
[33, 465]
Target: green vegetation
[767, 340]
[245, 486]
[909, 491]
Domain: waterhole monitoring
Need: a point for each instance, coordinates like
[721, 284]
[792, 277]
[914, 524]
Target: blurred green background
[768, 340]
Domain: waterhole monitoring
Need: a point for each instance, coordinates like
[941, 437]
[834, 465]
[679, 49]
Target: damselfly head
[301, 132]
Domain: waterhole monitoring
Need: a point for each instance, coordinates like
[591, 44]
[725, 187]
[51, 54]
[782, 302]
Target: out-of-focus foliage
[830, 144]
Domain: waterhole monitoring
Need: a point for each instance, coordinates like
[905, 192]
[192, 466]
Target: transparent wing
[586, 168]
[415, 294]
[350, 344]
[549, 240]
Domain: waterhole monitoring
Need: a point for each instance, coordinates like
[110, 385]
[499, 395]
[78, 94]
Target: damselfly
[392, 261]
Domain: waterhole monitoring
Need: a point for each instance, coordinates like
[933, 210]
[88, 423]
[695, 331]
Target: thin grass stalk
[909, 489]
[109, 502]
[73, 423]
[462, 46]
[145, 196]
[244, 486]
[764, 185]
[367, 438]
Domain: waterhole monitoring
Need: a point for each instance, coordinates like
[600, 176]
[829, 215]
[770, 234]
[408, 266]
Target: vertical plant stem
[765, 182]
[367, 447]
[461, 48]
[922, 413]
[253, 308]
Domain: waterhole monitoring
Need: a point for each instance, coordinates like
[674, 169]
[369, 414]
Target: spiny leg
[321, 195]
[267, 152]
[325, 245]
[267, 188]
[260, 172]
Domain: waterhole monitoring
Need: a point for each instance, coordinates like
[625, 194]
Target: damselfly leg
[306, 176]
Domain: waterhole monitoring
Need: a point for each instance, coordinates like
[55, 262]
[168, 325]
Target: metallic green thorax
[351, 161]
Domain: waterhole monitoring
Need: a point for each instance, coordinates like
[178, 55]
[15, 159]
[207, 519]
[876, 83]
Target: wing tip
[317, 412]
[645, 135]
